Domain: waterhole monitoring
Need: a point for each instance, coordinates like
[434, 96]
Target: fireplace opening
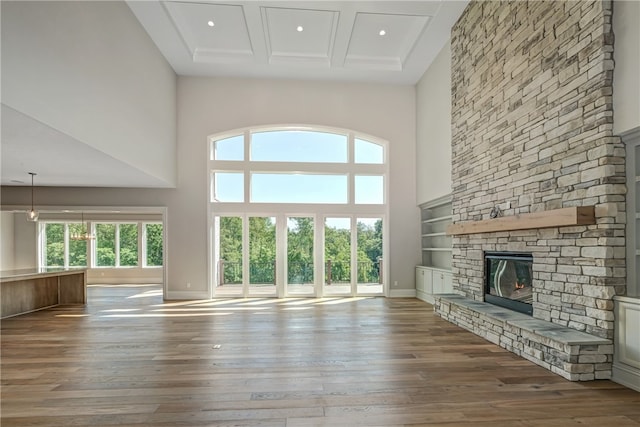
[508, 280]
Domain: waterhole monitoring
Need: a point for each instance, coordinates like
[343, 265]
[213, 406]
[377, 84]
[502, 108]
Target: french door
[305, 255]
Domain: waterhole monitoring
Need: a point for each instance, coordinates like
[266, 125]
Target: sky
[298, 187]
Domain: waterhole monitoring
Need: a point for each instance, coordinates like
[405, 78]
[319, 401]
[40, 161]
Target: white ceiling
[61, 161]
[340, 41]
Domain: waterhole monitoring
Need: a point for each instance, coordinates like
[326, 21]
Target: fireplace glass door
[508, 280]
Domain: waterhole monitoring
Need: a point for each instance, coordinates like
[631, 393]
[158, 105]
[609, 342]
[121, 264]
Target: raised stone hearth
[532, 132]
[575, 355]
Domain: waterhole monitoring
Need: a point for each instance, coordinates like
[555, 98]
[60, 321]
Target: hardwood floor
[128, 359]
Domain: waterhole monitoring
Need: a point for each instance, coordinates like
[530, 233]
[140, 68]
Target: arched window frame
[319, 211]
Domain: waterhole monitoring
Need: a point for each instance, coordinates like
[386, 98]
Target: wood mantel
[565, 217]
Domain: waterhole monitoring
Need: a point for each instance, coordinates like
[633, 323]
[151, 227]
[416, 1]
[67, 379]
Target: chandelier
[83, 232]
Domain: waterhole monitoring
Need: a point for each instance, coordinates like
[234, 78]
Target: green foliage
[106, 245]
[128, 245]
[300, 250]
[369, 251]
[54, 235]
[300, 235]
[262, 250]
[154, 244]
[231, 248]
[337, 254]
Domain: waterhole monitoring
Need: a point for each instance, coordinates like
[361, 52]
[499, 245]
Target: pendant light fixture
[32, 215]
[83, 233]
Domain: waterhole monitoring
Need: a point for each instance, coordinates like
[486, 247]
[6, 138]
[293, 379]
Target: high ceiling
[390, 42]
[375, 41]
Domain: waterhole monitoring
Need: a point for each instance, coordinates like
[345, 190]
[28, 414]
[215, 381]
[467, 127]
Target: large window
[297, 166]
[297, 211]
[111, 244]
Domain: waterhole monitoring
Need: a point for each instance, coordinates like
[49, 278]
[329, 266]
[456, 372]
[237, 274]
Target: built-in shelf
[435, 217]
[441, 218]
[565, 217]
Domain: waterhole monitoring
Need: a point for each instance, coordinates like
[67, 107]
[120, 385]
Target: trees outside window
[128, 239]
[105, 245]
[153, 242]
[77, 248]
[54, 245]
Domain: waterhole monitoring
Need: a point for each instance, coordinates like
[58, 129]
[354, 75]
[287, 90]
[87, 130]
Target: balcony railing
[230, 272]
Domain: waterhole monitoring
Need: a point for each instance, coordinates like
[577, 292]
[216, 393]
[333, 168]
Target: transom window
[294, 165]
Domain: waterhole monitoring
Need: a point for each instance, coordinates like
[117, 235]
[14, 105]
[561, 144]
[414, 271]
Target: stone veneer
[532, 125]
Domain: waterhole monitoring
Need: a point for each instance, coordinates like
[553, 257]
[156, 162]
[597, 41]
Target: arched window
[286, 186]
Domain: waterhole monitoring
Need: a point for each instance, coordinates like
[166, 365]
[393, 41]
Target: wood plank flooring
[130, 359]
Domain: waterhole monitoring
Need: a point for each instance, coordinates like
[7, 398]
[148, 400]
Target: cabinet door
[420, 279]
[428, 280]
[447, 283]
[438, 282]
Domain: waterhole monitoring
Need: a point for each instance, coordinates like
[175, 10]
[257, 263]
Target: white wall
[90, 71]
[207, 106]
[626, 76]
[25, 242]
[7, 249]
[433, 131]
[210, 106]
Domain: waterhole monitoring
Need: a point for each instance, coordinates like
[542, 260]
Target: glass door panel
[337, 257]
[300, 266]
[369, 240]
[262, 256]
[229, 253]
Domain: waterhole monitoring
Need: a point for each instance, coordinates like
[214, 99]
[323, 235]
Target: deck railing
[230, 272]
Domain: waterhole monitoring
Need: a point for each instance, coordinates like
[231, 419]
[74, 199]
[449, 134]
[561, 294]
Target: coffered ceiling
[375, 41]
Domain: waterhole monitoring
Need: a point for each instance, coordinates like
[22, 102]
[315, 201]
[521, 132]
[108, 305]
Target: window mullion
[142, 247]
[117, 245]
[66, 245]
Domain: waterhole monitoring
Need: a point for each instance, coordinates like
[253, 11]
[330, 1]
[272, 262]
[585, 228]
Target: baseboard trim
[626, 375]
[425, 297]
[402, 293]
[186, 295]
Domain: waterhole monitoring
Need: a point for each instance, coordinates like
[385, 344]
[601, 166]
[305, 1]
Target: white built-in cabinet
[626, 362]
[433, 276]
[430, 281]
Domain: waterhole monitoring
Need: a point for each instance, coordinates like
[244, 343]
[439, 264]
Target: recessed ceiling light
[382, 32]
[299, 28]
[211, 23]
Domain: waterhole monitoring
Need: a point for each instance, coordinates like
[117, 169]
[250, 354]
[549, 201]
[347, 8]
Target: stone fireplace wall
[532, 130]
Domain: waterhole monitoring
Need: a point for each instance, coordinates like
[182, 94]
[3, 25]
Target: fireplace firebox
[508, 280]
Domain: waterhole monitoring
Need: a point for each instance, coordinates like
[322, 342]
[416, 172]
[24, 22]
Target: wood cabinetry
[24, 291]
